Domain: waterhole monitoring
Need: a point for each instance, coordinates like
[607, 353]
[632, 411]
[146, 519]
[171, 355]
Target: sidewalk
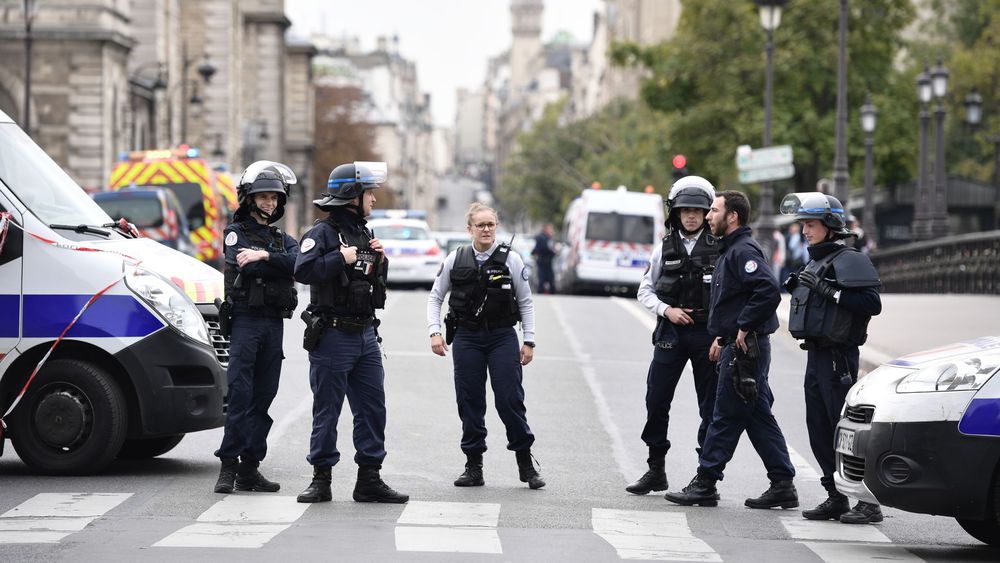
[914, 322]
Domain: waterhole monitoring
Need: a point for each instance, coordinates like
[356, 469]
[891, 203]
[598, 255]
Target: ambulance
[207, 196]
[109, 343]
[922, 433]
[608, 236]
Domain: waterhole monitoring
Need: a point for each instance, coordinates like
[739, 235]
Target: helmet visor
[371, 172]
[807, 204]
[252, 171]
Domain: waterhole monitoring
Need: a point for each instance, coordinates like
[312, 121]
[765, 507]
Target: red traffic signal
[680, 161]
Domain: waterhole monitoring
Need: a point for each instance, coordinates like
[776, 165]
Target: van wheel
[145, 448]
[71, 421]
[986, 531]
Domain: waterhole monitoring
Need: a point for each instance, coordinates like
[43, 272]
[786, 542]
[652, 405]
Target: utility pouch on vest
[225, 316]
[314, 330]
[359, 296]
[379, 290]
[257, 297]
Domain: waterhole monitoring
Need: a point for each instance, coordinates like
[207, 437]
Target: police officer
[833, 297]
[260, 293]
[741, 317]
[676, 289]
[489, 295]
[345, 268]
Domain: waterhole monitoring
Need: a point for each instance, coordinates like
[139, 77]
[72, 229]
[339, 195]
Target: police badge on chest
[366, 262]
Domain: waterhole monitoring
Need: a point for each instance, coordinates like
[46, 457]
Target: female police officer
[489, 295]
[260, 293]
[345, 269]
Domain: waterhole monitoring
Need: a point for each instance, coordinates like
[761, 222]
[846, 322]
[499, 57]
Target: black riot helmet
[260, 177]
[348, 181]
[817, 205]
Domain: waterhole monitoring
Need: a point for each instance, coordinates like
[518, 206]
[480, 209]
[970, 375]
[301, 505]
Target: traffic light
[680, 167]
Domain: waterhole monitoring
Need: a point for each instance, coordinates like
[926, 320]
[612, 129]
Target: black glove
[817, 285]
[791, 282]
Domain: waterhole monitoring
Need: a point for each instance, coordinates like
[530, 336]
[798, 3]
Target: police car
[414, 255]
[922, 433]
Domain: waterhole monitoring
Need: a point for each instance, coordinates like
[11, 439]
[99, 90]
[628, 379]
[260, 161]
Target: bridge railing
[967, 263]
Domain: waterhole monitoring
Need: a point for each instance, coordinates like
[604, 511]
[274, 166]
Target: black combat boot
[248, 478]
[526, 470]
[653, 480]
[780, 494]
[473, 474]
[371, 488]
[830, 509]
[319, 489]
[701, 491]
[227, 475]
[862, 513]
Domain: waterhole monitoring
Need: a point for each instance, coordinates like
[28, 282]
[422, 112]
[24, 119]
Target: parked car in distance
[414, 255]
[156, 212]
[450, 240]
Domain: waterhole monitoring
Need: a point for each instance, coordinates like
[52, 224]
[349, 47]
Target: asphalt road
[585, 405]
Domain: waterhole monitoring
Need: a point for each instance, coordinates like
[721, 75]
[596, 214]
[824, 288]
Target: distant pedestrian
[741, 318]
[796, 253]
[833, 298]
[489, 295]
[544, 253]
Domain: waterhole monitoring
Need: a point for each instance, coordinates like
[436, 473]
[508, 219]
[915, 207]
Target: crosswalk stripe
[49, 517]
[802, 529]
[449, 527]
[861, 553]
[238, 521]
[650, 535]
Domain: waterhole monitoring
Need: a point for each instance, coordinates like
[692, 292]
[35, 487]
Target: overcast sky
[450, 40]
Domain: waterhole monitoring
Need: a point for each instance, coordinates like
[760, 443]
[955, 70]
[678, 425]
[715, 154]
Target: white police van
[103, 351]
[922, 433]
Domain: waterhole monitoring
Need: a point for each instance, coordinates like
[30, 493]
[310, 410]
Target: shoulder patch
[231, 238]
[440, 269]
[525, 272]
[307, 245]
[750, 267]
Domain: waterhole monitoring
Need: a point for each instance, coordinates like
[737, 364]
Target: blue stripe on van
[110, 316]
[10, 309]
[982, 417]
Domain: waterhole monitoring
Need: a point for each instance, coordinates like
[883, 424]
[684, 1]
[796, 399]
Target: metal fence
[960, 264]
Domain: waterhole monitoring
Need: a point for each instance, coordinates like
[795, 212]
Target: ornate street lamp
[840, 175]
[921, 198]
[206, 69]
[938, 215]
[868, 118]
[30, 10]
[770, 18]
[974, 116]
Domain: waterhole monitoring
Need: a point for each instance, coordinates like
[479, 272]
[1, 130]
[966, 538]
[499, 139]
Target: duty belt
[699, 315]
[350, 324]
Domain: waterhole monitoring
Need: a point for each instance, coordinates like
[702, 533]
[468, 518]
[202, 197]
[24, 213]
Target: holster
[315, 327]
[450, 324]
[746, 362]
[225, 316]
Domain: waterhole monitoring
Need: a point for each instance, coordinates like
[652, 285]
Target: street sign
[749, 159]
[767, 174]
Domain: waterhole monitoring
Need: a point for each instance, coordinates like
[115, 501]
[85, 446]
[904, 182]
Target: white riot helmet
[690, 191]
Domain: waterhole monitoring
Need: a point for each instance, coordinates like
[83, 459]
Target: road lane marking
[238, 521]
[49, 517]
[802, 529]
[861, 553]
[449, 527]
[627, 465]
[650, 535]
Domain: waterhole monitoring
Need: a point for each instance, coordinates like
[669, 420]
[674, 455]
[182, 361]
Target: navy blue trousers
[732, 416]
[825, 396]
[473, 352]
[661, 383]
[255, 356]
[347, 364]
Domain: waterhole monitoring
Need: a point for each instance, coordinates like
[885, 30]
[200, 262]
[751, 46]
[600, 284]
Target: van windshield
[620, 227]
[189, 194]
[41, 184]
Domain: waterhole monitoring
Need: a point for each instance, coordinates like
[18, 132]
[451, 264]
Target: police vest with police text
[814, 318]
[686, 279]
[361, 288]
[268, 297]
[483, 295]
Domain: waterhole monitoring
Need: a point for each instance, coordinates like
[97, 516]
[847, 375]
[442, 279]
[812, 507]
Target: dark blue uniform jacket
[278, 266]
[745, 293]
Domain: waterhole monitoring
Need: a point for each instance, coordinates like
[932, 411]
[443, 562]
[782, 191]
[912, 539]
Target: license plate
[632, 262]
[845, 441]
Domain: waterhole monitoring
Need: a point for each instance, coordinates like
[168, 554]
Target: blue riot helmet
[817, 205]
[348, 181]
[689, 191]
[263, 176]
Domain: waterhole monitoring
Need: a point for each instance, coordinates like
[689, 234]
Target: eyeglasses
[486, 226]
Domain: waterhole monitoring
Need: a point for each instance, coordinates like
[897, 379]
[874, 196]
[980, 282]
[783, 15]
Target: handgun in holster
[225, 316]
[745, 375]
[450, 324]
[315, 327]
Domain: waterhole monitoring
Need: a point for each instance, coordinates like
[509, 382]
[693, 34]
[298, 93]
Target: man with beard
[833, 297]
[676, 288]
[741, 317]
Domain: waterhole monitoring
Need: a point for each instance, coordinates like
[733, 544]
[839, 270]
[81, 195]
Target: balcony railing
[967, 263]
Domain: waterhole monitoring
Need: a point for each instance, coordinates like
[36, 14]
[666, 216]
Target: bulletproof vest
[483, 294]
[686, 280]
[813, 317]
[360, 290]
[270, 297]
